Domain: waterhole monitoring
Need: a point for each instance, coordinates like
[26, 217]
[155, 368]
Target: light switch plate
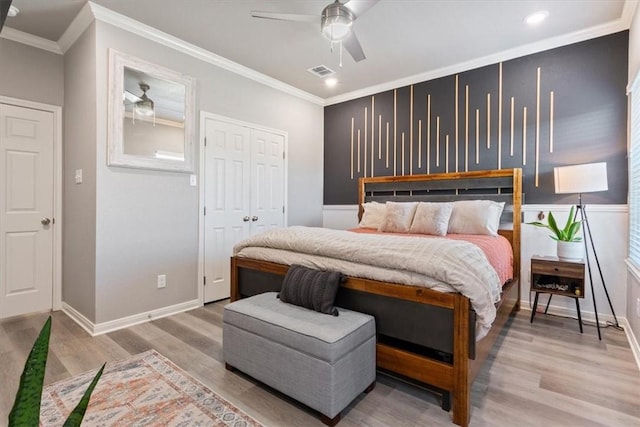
[78, 176]
[192, 180]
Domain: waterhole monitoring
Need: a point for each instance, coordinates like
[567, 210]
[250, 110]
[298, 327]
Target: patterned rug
[144, 390]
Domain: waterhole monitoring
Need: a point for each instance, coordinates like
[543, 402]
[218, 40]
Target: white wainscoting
[609, 227]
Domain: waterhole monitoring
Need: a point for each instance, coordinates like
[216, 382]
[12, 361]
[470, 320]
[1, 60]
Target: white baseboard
[113, 325]
[589, 316]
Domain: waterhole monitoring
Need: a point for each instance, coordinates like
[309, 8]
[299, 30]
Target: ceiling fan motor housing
[336, 21]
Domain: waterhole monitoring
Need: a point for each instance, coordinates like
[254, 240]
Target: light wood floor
[541, 374]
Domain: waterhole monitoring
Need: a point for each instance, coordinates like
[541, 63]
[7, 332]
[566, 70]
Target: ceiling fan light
[336, 22]
[144, 107]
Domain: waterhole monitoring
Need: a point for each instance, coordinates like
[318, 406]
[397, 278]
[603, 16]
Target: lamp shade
[586, 178]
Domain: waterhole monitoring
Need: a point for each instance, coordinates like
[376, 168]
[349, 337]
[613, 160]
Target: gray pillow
[312, 289]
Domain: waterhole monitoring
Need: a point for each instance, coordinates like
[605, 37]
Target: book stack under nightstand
[550, 275]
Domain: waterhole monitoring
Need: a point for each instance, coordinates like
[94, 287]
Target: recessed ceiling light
[331, 82]
[13, 11]
[536, 17]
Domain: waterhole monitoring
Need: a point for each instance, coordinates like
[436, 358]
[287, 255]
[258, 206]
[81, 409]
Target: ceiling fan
[142, 105]
[335, 22]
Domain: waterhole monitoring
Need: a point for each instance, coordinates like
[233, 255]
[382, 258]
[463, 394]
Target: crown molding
[620, 24]
[30, 40]
[128, 24]
[80, 23]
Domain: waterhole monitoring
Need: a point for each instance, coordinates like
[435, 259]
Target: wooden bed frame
[456, 373]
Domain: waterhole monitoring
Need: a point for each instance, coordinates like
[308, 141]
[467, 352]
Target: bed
[444, 355]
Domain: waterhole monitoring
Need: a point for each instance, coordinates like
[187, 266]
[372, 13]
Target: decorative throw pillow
[431, 218]
[398, 217]
[476, 217]
[312, 289]
[373, 215]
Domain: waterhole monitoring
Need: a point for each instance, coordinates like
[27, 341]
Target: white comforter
[436, 263]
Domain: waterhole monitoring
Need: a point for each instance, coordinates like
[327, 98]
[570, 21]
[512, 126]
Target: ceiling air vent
[321, 71]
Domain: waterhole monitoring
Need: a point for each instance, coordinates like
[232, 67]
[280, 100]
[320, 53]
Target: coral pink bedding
[496, 248]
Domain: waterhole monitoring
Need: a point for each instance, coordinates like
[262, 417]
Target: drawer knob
[555, 269]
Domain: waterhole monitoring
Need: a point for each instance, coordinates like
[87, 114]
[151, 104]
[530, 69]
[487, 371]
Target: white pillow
[476, 217]
[431, 218]
[373, 215]
[398, 217]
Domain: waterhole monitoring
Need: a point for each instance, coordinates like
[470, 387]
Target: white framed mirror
[151, 115]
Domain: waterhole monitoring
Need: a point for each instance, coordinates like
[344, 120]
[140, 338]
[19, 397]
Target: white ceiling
[402, 39]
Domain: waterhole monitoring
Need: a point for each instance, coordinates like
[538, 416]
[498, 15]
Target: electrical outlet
[162, 281]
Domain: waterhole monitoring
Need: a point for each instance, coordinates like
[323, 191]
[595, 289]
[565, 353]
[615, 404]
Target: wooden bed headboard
[503, 185]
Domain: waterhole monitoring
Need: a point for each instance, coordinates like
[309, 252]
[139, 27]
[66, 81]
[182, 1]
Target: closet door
[227, 201]
[267, 189]
[244, 194]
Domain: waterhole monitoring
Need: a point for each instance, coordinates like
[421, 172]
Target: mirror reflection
[154, 116]
[151, 116]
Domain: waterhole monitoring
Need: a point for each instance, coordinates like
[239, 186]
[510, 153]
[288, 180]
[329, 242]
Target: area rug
[144, 390]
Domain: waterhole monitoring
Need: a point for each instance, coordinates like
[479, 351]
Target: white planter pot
[570, 250]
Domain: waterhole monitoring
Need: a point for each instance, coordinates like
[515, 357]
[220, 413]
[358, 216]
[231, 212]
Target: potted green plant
[569, 243]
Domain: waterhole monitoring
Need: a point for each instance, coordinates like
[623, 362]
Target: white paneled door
[243, 194]
[26, 210]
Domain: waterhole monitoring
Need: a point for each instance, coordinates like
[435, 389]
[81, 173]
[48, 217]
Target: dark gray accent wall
[576, 112]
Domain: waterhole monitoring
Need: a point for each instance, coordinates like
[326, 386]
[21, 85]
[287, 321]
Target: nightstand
[550, 275]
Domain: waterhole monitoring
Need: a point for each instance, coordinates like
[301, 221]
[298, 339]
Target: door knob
[254, 218]
[245, 219]
[45, 221]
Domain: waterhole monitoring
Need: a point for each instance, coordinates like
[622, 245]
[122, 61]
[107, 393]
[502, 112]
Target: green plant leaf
[76, 416]
[26, 408]
[567, 226]
[573, 230]
[553, 225]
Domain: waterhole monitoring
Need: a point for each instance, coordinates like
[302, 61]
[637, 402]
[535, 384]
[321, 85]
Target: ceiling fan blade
[128, 96]
[352, 45]
[358, 7]
[284, 16]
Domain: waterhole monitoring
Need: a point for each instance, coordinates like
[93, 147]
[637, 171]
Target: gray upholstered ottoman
[320, 360]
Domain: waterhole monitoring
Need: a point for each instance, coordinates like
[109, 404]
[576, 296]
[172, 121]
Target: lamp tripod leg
[586, 254]
[595, 255]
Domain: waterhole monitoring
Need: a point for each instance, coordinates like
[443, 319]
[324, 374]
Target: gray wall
[79, 203]
[147, 221]
[30, 73]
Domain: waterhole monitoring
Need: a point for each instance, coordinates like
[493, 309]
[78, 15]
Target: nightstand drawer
[557, 268]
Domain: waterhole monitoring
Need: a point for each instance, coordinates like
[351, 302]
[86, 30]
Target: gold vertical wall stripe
[428, 132]
[419, 143]
[512, 120]
[446, 154]
[551, 122]
[402, 158]
[395, 127]
[524, 136]
[437, 140]
[395, 157]
[456, 120]
[466, 128]
[387, 157]
[379, 136]
[352, 119]
[477, 136]
[537, 158]
[366, 141]
[358, 150]
[488, 120]
[373, 135]
[410, 132]
[500, 116]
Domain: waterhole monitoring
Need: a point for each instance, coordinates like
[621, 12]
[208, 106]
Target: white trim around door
[57, 189]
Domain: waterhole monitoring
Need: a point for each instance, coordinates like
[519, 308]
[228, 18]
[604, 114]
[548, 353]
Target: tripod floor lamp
[585, 178]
